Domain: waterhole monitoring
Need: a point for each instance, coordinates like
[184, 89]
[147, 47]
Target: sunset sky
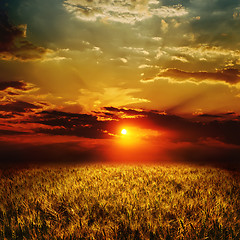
[74, 73]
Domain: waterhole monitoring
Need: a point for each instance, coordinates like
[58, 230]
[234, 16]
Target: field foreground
[120, 202]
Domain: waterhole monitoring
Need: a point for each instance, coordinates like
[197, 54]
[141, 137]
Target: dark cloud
[123, 110]
[8, 32]
[55, 113]
[71, 124]
[79, 131]
[214, 142]
[13, 43]
[6, 115]
[12, 93]
[190, 130]
[11, 132]
[221, 6]
[216, 25]
[13, 84]
[207, 154]
[47, 21]
[224, 131]
[229, 113]
[209, 116]
[18, 107]
[64, 119]
[228, 75]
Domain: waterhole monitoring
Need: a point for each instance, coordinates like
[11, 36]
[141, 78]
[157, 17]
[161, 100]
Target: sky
[75, 72]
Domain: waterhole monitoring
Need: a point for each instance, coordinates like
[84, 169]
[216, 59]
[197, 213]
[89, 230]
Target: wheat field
[120, 202]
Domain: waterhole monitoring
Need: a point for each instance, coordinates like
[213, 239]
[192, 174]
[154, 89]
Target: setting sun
[124, 131]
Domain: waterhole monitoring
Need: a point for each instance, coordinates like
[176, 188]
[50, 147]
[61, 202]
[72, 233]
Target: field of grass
[120, 202]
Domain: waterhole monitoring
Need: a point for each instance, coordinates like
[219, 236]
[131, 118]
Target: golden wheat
[120, 202]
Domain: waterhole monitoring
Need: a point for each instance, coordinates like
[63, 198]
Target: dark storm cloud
[8, 32]
[216, 24]
[18, 107]
[64, 119]
[47, 20]
[225, 131]
[205, 154]
[123, 110]
[13, 44]
[191, 130]
[6, 115]
[229, 113]
[206, 6]
[13, 84]
[78, 131]
[209, 116]
[214, 142]
[11, 132]
[71, 124]
[210, 22]
[229, 75]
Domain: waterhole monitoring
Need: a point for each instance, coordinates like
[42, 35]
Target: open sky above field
[74, 73]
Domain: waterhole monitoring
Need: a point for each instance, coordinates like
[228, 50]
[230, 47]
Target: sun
[124, 131]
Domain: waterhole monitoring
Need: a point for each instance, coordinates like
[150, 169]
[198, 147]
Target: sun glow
[124, 131]
[134, 144]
